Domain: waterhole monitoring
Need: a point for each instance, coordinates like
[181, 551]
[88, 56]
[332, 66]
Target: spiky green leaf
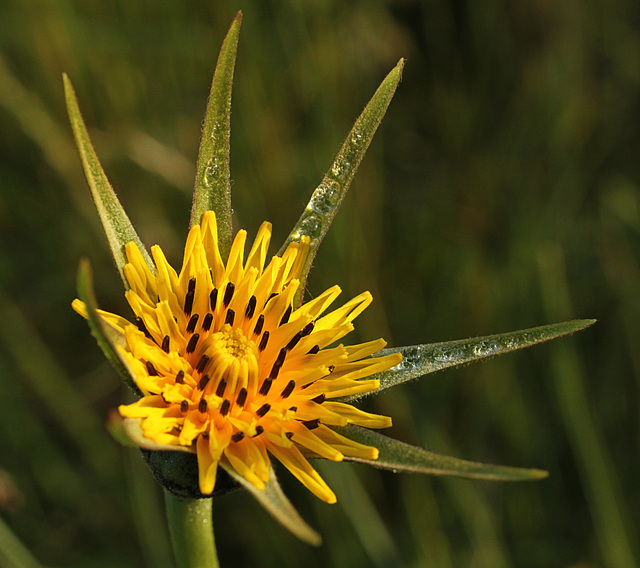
[398, 456]
[212, 191]
[106, 336]
[327, 197]
[273, 499]
[419, 360]
[116, 224]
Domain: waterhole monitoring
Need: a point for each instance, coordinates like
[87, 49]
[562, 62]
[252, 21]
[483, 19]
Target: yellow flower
[231, 370]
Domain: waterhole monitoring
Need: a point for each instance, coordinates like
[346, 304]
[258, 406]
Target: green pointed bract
[398, 456]
[116, 224]
[106, 336]
[327, 197]
[419, 360]
[274, 500]
[212, 191]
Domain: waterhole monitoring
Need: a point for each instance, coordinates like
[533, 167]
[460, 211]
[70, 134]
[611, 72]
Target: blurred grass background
[501, 192]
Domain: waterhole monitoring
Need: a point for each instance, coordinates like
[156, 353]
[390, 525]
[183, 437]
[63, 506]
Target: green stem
[191, 531]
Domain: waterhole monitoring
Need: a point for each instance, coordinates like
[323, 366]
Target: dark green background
[501, 192]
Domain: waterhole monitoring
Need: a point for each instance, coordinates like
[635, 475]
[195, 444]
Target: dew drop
[448, 354]
[325, 197]
[311, 226]
[485, 348]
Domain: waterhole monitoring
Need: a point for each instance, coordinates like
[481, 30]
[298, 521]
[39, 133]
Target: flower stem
[191, 531]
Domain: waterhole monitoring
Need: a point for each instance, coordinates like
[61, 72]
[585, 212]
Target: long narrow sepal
[191, 529]
[419, 360]
[116, 224]
[273, 499]
[398, 456]
[106, 336]
[212, 191]
[327, 197]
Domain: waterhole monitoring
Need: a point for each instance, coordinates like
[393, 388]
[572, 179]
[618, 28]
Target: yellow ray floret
[231, 371]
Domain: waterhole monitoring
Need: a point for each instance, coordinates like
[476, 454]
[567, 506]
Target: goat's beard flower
[231, 370]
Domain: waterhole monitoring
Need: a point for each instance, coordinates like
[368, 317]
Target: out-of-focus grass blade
[273, 499]
[106, 336]
[212, 191]
[327, 197]
[13, 554]
[419, 360]
[398, 456]
[116, 224]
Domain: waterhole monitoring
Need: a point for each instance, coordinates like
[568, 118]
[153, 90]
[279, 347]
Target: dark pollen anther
[188, 302]
[165, 343]
[263, 341]
[259, 430]
[289, 435]
[251, 307]
[294, 340]
[311, 424]
[213, 299]
[307, 329]
[151, 369]
[257, 330]
[180, 378]
[207, 321]
[286, 315]
[228, 293]
[319, 399]
[221, 386]
[202, 406]
[242, 397]
[143, 328]
[288, 389]
[193, 341]
[203, 382]
[184, 406]
[231, 315]
[202, 363]
[191, 287]
[314, 350]
[266, 385]
[191, 326]
[266, 407]
[225, 406]
[237, 436]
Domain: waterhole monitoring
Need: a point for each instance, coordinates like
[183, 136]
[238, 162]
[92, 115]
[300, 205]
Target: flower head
[230, 369]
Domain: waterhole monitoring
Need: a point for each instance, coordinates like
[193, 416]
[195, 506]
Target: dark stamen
[224, 408]
[251, 307]
[202, 363]
[263, 410]
[332, 368]
[237, 436]
[205, 435]
[191, 287]
[319, 399]
[180, 378]
[311, 424]
[264, 389]
[294, 341]
[221, 386]
[273, 295]
[288, 389]
[203, 382]
[191, 346]
[228, 293]
[151, 369]
[294, 409]
[207, 321]
[165, 343]
[314, 350]
[263, 341]
[191, 326]
[242, 397]
[213, 299]
[259, 430]
[307, 329]
[231, 315]
[258, 329]
[188, 302]
[286, 315]
[184, 406]
[143, 328]
[289, 435]
[202, 406]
